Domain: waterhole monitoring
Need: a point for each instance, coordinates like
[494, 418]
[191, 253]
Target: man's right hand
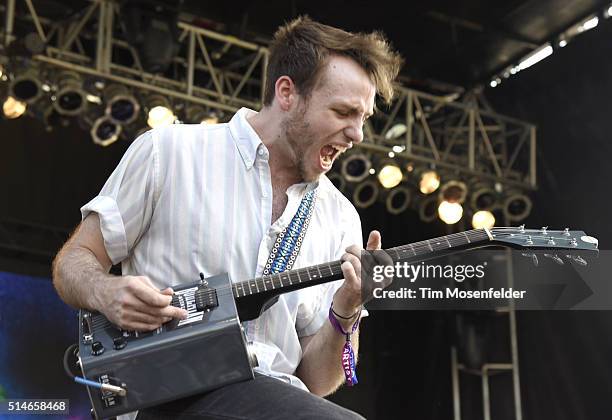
[134, 303]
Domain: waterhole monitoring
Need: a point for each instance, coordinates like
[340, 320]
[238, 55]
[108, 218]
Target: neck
[268, 126]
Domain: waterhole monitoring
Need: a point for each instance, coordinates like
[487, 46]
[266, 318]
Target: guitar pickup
[206, 298]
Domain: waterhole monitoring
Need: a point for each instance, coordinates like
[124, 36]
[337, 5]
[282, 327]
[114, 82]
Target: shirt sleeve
[126, 202]
[324, 293]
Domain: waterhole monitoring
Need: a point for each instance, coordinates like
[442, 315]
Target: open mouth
[328, 153]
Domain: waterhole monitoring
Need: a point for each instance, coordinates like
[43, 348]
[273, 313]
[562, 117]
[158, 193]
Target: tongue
[327, 151]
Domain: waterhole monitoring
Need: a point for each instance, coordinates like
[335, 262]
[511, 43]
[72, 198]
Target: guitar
[127, 371]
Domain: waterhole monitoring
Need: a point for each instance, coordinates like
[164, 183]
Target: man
[212, 199]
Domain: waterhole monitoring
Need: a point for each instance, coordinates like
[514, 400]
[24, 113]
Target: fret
[467, 237]
[299, 277]
[448, 242]
[263, 282]
[250, 290]
[413, 251]
[429, 244]
[256, 285]
[238, 290]
[280, 278]
[319, 271]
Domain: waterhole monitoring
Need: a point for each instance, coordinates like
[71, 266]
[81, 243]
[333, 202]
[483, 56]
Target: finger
[144, 318]
[148, 295]
[350, 276]
[374, 240]
[167, 312]
[167, 291]
[354, 249]
[355, 261]
[140, 326]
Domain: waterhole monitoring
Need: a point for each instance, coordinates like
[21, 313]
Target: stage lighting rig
[121, 106]
[159, 111]
[105, 131]
[390, 175]
[70, 98]
[365, 194]
[356, 167]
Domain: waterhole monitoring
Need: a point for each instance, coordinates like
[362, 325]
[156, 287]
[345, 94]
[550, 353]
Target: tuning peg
[534, 257]
[577, 259]
[555, 258]
[522, 228]
[544, 228]
[566, 232]
[529, 241]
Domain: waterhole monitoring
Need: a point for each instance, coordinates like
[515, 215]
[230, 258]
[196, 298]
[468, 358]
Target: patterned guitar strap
[288, 244]
[289, 241]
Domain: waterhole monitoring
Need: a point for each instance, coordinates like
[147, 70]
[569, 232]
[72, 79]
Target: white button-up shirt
[187, 199]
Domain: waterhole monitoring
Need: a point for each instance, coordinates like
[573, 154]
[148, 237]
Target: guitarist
[212, 198]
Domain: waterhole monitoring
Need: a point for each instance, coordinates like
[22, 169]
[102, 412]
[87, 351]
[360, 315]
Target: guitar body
[206, 351]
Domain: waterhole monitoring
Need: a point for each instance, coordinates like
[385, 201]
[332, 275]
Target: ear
[285, 93]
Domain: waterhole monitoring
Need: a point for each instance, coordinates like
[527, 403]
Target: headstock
[568, 240]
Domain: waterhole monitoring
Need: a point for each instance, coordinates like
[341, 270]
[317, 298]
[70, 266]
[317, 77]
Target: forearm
[321, 366]
[78, 277]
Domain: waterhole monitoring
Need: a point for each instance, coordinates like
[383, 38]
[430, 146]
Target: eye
[341, 113]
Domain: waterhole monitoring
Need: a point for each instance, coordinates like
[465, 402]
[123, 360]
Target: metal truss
[465, 137]
[201, 51]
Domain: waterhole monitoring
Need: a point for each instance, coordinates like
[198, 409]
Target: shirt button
[261, 152]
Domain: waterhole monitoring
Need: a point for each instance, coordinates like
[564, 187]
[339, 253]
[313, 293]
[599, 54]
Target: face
[331, 121]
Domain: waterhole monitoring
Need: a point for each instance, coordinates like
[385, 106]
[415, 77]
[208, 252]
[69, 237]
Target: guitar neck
[322, 273]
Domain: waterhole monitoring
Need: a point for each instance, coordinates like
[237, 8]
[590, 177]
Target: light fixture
[211, 118]
[390, 175]
[493, 83]
[483, 197]
[26, 88]
[356, 167]
[536, 56]
[160, 114]
[398, 200]
[589, 24]
[121, 106]
[428, 209]
[562, 42]
[450, 213]
[608, 12]
[365, 194]
[105, 131]
[517, 206]
[453, 192]
[429, 182]
[12, 108]
[70, 99]
[483, 219]
[396, 131]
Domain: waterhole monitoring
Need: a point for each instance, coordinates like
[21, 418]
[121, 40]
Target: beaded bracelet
[348, 355]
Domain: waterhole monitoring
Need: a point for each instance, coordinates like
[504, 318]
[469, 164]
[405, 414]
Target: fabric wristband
[348, 355]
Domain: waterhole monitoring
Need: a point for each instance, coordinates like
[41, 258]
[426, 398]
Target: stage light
[26, 88]
[483, 197]
[70, 99]
[390, 175]
[493, 83]
[398, 148]
[589, 24]
[356, 167]
[517, 206]
[105, 131]
[12, 108]
[121, 106]
[483, 219]
[429, 182]
[428, 209]
[396, 131]
[365, 194]
[536, 56]
[450, 213]
[562, 43]
[453, 192]
[398, 200]
[609, 12]
[160, 113]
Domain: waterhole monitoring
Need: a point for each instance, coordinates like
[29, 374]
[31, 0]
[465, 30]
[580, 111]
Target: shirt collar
[246, 139]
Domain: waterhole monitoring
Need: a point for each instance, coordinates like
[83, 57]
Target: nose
[354, 132]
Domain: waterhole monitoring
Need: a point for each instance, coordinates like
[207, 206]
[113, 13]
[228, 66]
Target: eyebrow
[353, 109]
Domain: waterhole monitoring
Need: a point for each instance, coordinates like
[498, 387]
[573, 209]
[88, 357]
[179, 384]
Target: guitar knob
[97, 348]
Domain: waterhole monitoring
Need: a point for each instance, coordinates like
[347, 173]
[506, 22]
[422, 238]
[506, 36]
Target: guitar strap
[288, 242]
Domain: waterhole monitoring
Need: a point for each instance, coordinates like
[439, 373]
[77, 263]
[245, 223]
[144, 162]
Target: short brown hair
[300, 50]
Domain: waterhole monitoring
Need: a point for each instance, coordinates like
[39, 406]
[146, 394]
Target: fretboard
[321, 273]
